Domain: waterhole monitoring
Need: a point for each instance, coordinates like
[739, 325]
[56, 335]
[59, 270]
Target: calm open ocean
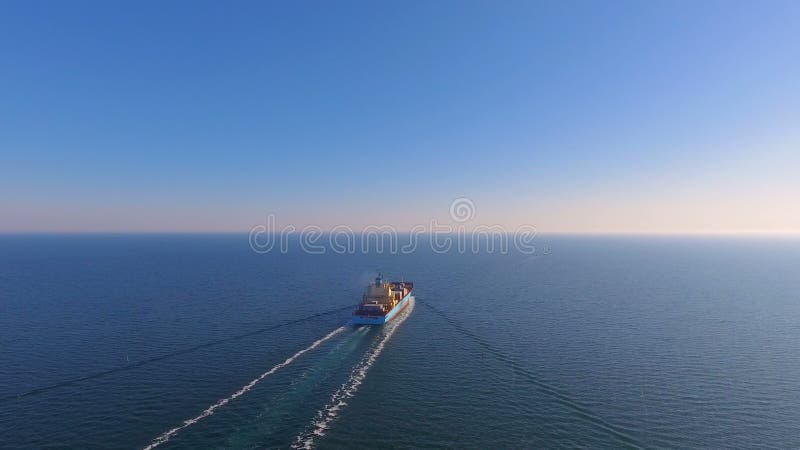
[186, 342]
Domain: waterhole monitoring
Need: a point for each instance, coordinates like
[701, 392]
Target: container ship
[382, 302]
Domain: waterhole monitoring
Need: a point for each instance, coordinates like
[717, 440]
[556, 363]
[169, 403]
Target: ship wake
[167, 435]
[338, 400]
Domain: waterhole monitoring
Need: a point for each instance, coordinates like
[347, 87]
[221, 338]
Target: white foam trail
[210, 410]
[339, 398]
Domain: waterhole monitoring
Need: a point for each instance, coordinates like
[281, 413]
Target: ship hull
[380, 320]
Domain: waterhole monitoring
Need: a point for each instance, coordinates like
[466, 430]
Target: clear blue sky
[570, 116]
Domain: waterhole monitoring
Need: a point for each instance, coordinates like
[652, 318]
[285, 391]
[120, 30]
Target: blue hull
[380, 320]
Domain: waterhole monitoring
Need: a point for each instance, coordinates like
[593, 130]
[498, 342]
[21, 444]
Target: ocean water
[185, 342]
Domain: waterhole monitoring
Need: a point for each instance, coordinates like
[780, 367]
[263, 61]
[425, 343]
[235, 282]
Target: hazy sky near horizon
[666, 117]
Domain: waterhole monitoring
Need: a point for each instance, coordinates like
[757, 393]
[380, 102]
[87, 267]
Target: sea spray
[164, 437]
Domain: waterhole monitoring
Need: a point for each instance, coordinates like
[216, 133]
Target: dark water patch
[169, 355]
[564, 399]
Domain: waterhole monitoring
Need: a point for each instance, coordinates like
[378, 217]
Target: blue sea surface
[111, 341]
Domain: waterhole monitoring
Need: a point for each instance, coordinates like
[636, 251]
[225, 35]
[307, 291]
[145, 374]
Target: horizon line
[698, 233]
